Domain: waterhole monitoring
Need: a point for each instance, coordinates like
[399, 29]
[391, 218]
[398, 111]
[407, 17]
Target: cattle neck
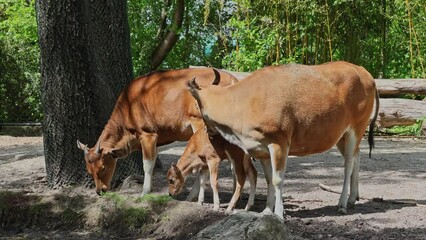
[188, 164]
[115, 136]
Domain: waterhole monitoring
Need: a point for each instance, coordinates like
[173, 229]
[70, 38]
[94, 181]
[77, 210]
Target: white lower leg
[203, 178]
[250, 201]
[354, 191]
[148, 167]
[349, 150]
[270, 199]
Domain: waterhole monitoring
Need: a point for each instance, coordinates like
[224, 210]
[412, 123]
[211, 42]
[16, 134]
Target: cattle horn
[216, 80]
[98, 148]
[82, 147]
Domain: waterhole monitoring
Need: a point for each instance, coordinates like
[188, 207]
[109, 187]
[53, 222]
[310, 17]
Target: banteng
[203, 155]
[295, 110]
[153, 110]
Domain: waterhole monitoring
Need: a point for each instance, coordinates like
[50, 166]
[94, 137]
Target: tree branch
[171, 37]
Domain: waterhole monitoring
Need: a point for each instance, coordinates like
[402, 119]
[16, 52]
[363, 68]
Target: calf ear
[82, 147]
[176, 168]
[117, 153]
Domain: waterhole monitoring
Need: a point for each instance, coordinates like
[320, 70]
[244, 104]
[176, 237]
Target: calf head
[175, 180]
[100, 164]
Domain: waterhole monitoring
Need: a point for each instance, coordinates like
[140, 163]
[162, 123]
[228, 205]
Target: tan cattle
[295, 110]
[203, 155]
[153, 110]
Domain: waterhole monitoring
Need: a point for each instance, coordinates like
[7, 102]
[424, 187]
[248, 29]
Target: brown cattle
[203, 155]
[153, 110]
[295, 110]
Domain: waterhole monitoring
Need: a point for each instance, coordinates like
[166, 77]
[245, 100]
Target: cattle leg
[252, 176]
[240, 177]
[346, 146]
[149, 154]
[354, 194]
[203, 179]
[270, 200]
[195, 191]
[214, 168]
[279, 160]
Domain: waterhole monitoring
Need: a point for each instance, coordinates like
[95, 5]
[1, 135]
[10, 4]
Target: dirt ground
[396, 173]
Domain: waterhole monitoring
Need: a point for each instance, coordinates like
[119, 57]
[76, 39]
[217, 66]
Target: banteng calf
[153, 110]
[203, 155]
[295, 110]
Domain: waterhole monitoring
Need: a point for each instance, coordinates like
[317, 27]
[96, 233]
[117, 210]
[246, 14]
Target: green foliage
[373, 34]
[386, 37]
[116, 198]
[155, 199]
[413, 130]
[19, 62]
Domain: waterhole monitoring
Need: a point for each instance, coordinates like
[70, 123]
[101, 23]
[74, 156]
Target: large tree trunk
[85, 62]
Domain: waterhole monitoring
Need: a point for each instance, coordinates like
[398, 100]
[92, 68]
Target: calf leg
[149, 154]
[240, 177]
[214, 169]
[252, 175]
[195, 191]
[270, 200]
[203, 179]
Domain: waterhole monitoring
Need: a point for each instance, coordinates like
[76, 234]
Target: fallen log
[400, 112]
[401, 86]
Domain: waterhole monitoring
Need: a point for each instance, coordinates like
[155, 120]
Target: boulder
[246, 225]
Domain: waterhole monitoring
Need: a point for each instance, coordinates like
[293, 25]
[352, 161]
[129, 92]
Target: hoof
[342, 211]
[267, 211]
[351, 205]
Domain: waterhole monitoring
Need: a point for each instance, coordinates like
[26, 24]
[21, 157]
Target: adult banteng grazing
[203, 154]
[153, 110]
[295, 110]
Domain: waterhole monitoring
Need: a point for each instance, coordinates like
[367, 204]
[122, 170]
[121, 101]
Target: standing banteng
[153, 110]
[294, 110]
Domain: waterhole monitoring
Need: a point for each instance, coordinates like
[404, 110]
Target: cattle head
[100, 164]
[175, 180]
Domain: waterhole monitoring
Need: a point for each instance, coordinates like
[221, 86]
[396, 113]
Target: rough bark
[85, 62]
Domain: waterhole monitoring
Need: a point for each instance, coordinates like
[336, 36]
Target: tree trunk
[85, 62]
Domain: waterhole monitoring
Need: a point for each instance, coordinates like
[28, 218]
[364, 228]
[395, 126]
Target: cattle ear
[117, 153]
[82, 147]
[192, 84]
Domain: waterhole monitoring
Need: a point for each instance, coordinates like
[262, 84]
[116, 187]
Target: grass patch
[155, 199]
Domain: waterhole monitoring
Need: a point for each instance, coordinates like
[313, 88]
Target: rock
[247, 225]
[133, 183]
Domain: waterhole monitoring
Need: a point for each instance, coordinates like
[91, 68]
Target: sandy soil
[396, 173]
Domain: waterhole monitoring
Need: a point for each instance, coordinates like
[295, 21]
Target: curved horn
[216, 80]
